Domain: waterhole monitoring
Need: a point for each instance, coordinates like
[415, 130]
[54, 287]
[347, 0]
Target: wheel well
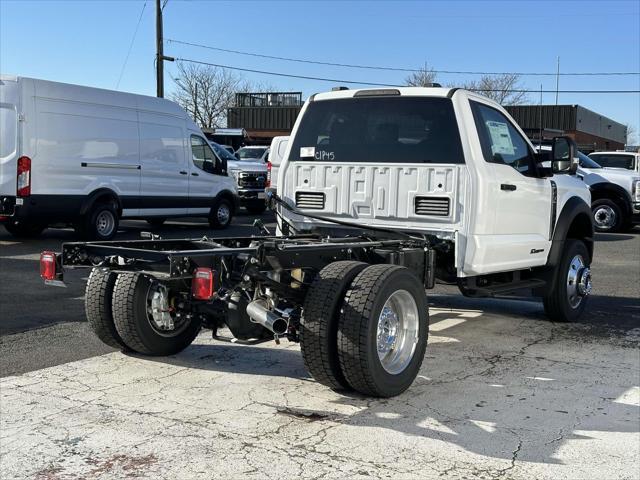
[607, 193]
[102, 196]
[581, 229]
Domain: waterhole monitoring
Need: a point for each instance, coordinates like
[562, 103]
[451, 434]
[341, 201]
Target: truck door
[521, 203]
[204, 176]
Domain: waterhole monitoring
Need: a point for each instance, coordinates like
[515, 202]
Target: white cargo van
[87, 157]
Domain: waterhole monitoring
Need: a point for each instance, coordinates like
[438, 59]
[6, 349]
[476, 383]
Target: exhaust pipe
[258, 313]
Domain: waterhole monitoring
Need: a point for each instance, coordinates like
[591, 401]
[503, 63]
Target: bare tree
[421, 78]
[631, 134]
[504, 89]
[206, 92]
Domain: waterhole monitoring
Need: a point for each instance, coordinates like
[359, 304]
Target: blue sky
[86, 42]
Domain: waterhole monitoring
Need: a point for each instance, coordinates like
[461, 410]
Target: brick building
[590, 130]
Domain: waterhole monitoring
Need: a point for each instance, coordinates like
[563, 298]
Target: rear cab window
[379, 130]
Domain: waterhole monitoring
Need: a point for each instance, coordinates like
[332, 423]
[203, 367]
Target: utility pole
[160, 58]
[557, 80]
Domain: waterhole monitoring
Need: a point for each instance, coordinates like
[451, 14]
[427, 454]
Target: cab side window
[203, 156]
[501, 142]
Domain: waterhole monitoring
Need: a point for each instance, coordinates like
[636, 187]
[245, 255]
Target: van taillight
[48, 265]
[268, 184]
[24, 177]
[202, 284]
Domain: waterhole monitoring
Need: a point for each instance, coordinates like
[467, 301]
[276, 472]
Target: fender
[575, 221]
[611, 190]
[96, 195]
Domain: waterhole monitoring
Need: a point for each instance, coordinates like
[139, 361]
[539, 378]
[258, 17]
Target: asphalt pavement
[503, 393]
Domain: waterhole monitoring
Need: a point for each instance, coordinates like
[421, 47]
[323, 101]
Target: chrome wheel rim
[397, 332]
[161, 315]
[223, 214]
[604, 217]
[105, 223]
[578, 281]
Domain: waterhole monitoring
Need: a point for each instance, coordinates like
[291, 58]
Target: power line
[395, 69]
[133, 39]
[356, 82]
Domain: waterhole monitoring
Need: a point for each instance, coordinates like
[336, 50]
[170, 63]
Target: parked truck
[381, 193]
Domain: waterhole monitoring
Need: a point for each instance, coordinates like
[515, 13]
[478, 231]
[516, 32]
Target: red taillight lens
[48, 265]
[268, 174]
[24, 177]
[202, 284]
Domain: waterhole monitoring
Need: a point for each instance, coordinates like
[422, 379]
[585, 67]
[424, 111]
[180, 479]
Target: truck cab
[444, 163]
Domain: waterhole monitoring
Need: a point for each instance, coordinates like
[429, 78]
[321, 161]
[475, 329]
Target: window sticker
[500, 138]
[306, 152]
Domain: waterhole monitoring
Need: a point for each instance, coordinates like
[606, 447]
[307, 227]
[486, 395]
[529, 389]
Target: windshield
[381, 129]
[614, 161]
[586, 162]
[251, 153]
[222, 152]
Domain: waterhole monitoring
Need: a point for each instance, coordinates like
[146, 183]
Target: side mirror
[237, 155]
[564, 156]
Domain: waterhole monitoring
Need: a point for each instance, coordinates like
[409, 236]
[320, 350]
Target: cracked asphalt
[502, 394]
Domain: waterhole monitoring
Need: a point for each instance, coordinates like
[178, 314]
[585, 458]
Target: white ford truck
[380, 193]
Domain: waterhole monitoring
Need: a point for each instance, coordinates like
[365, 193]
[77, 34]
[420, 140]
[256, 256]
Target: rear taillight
[24, 177]
[268, 174]
[202, 284]
[48, 265]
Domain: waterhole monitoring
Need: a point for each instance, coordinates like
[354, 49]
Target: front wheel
[145, 318]
[570, 287]
[607, 216]
[382, 331]
[221, 214]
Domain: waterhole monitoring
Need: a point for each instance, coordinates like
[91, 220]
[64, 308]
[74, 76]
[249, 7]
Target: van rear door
[9, 130]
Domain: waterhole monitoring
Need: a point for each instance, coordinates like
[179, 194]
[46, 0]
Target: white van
[276, 155]
[87, 157]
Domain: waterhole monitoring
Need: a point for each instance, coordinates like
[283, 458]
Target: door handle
[182, 172]
[507, 187]
[195, 174]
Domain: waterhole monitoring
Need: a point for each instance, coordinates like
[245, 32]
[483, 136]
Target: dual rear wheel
[365, 328]
[131, 311]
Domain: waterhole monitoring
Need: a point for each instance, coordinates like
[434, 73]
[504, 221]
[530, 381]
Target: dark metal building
[590, 130]
[264, 115]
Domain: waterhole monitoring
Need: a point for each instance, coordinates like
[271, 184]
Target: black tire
[100, 222]
[156, 222]
[133, 325]
[216, 219]
[319, 323]
[256, 208]
[607, 216]
[556, 302]
[358, 328]
[97, 305]
[22, 229]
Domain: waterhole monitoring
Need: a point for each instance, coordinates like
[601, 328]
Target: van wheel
[607, 216]
[144, 320]
[319, 323]
[382, 331]
[23, 230]
[571, 284]
[100, 223]
[156, 222]
[221, 214]
[97, 305]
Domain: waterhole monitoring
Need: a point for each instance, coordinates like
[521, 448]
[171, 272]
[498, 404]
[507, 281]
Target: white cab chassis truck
[381, 193]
